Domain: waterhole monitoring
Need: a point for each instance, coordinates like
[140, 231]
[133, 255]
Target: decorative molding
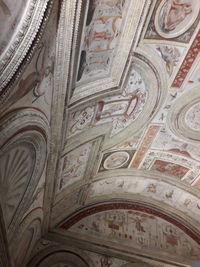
[4, 252]
[78, 223]
[154, 33]
[101, 249]
[127, 42]
[55, 254]
[187, 62]
[126, 112]
[171, 20]
[145, 145]
[63, 54]
[27, 132]
[22, 46]
[161, 190]
[178, 116]
[26, 236]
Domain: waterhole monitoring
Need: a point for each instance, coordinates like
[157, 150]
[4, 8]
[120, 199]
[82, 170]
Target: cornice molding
[22, 46]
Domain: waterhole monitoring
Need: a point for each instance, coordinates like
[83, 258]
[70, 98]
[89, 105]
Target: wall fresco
[187, 62]
[165, 25]
[152, 189]
[74, 165]
[116, 159]
[179, 166]
[119, 111]
[145, 145]
[101, 35]
[138, 230]
[169, 168]
[174, 17]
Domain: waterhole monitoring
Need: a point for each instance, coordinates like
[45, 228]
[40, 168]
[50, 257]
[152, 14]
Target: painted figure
[175, 12]
[101, 33]
[170, 55]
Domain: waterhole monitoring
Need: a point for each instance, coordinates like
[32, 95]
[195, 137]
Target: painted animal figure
[175, 12]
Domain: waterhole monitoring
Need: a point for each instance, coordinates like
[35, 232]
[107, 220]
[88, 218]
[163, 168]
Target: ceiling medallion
[174, 17]
[116, 160]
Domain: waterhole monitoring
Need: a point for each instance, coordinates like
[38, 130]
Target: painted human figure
[175, 12]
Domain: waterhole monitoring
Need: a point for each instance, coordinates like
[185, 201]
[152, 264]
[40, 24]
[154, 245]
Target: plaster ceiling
[100, 132]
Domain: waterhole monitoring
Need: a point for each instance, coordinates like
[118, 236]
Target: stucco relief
[116, 160]
[139, 230]
[173, 19]
[26, 236]
[101, 34]
[24, 138]
[17, 165]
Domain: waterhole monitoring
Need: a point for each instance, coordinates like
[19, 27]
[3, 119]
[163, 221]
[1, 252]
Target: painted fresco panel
[138, 230]
[101, 35]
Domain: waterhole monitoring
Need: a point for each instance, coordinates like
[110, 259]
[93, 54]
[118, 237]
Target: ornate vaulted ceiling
[99, 133]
